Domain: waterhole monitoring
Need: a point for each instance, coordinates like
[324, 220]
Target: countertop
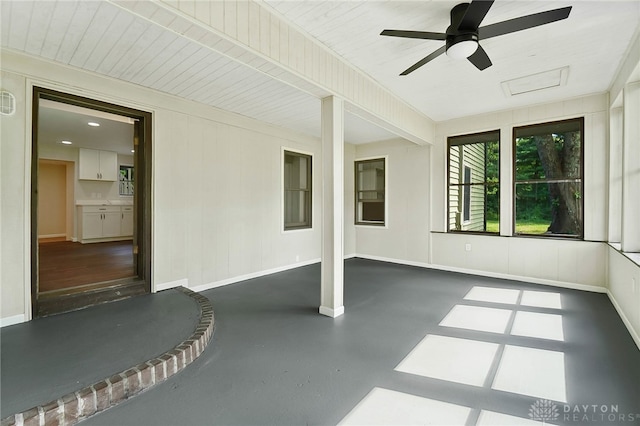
[101, 202]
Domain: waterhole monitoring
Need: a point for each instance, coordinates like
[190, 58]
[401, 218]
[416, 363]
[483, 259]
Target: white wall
[349, 200]
[406, 234]
[14, 219]
[624, 289]
[545, 260]
[216, 186]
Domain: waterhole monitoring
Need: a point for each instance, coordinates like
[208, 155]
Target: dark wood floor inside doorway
[65, 264]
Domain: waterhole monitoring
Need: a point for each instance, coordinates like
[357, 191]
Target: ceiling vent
[536, 82]
[7, 103]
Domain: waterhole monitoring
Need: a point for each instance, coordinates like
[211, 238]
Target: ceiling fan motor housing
[456, 35]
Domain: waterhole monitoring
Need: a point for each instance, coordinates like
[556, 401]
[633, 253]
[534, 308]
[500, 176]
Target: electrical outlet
[634, 286]
[467, 247]
[297, 258]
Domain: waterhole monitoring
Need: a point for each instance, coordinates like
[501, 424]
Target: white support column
[631, 169]
[332, 281]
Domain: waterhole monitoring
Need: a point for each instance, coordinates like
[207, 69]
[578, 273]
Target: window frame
[450, 140]
[309, 225]
[384, 224]
[514, 180]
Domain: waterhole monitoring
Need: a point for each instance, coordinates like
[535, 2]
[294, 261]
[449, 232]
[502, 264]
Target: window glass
[297, 190]
[370, 192]
[548, 179]
[473, 181]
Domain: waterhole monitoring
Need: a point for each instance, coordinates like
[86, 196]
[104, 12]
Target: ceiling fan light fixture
[462, 49]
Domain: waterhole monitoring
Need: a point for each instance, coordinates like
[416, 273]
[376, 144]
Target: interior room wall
[406, 234]
[349, 197]
[52, 199]
[624, 288]
[564, 262]
[216, 186]
[13, 204]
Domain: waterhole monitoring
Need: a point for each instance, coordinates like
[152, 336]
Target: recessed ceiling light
[133, 150]
[66, 142]
[93, 124]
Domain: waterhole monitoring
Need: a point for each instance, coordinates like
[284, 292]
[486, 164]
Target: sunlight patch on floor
[491, 418]
[534, 372]
[494, 295]
[477, 318]
[452, 359]
[387, 407]
[534, 324]
[541, 299]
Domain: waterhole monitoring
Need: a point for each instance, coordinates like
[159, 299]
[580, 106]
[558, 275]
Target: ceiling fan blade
[474, 15]
[414, 34]
[480, 59]
[423, 61]
[523, 23]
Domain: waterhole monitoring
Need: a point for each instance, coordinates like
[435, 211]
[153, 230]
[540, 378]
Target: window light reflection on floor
[452, 359]
[494, 295]
[490, 418]
[534, 324]
[541, 299]
[533, 372]
[387, 407]
[477, 318]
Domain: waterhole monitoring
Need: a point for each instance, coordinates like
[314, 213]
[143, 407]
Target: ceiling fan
[464, 34]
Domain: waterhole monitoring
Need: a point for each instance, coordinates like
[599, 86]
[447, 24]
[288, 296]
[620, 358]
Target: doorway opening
[90, 202]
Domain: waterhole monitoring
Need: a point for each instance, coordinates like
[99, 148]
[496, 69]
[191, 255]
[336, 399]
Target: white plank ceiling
[591, 42]
[103, 38]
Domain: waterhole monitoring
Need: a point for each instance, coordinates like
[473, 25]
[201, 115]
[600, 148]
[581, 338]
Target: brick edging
[79, 405]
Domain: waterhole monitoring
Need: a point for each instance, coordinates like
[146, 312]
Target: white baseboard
[330, 312]
[172, 284]
[392, 260]
[553, 283]
[252, 275]
[52, 236]
[634, 334]
[16, 319]
[350, 256]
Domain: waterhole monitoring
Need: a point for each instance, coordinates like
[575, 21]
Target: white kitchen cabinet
[126, 221]
[97, 165]
[105, 223]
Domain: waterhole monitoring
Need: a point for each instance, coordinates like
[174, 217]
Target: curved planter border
[77, 406]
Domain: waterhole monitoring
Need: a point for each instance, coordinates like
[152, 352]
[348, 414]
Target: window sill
[634, 257]
[371, 226]
[295, 230]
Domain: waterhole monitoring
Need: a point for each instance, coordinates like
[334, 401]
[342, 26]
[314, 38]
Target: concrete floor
[275, 361]
[48, 357]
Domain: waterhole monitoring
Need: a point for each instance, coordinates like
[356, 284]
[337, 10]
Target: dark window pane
[370, 191]
[548, 179]
[544, 155]
[549, 208]
[467, 193]
[473, 177]
[297, 190]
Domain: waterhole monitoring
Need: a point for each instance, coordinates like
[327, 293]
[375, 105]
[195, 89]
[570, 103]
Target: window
[297, 190]
[125, 180]
[467, 194]
[474, 199]
[370, 192]
[548, 179]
